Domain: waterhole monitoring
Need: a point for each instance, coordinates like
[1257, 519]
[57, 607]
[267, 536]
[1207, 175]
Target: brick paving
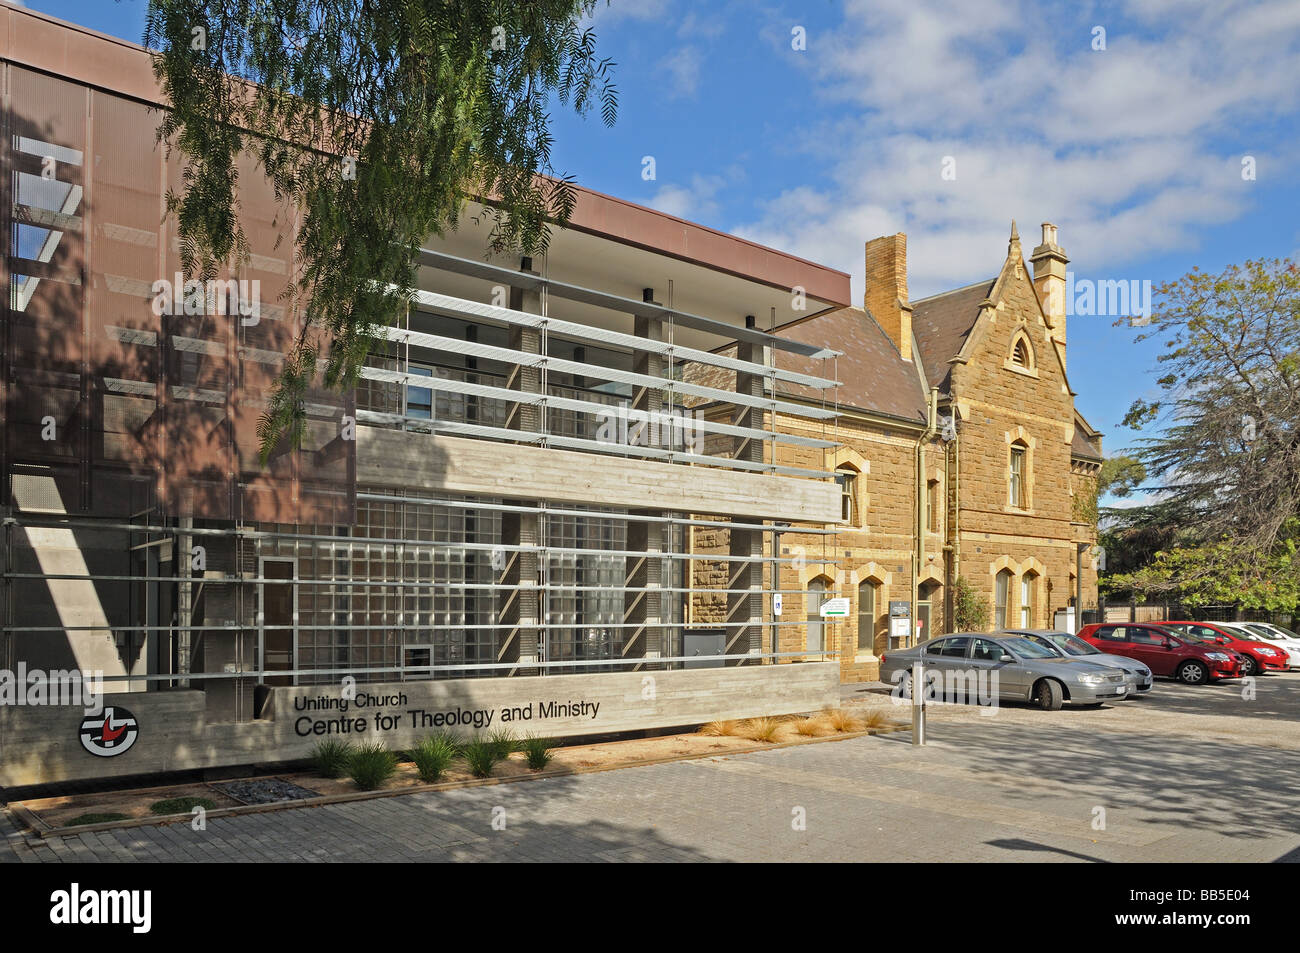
[992, 789]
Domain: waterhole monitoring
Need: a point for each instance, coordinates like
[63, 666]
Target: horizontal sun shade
[478, 269]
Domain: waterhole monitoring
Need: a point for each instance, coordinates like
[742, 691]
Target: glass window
[932, 506]
[419, 400]
[1028, 583]
[955, 648]
[1000, 592]
[866, 616]
[986, 650]
[847, 478]
[937, 646]
[1016, 491]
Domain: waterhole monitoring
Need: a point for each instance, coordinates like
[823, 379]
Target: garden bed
[74, 814]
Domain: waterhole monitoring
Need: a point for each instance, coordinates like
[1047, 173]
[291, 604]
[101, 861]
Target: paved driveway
[1099, 785]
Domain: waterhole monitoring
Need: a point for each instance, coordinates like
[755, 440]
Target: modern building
[499, 523]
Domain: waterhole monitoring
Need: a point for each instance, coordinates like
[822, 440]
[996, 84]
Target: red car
[1164, 651]
[1259, 656]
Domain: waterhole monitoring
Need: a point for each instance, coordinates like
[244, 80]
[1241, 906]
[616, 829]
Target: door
[278, 623]
[998, 677]
[1147, 646]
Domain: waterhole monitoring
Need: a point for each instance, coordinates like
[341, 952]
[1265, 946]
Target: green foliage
[331, 757]
[481, 755]
[375, 122]
[503, 742]
[1219, 573]
[970, 609]
[371, 766]
[1225, 453]
[432, 757]
[1226, 448]
[537, 750]
[93, 818]
[181, 805]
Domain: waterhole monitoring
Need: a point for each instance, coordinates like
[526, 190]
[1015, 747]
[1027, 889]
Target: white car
[1284, 639]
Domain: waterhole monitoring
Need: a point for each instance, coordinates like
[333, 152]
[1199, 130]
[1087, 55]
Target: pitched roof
[940, 325]
[873, 375]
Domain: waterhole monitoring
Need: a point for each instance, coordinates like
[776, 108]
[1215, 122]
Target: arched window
[1000, 592]
[847, 477]
[815, 626]
[1028, 599]
[1018, 475]
[1022, 352]
[867, 617]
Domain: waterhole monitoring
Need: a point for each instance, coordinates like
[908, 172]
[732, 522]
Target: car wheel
[1192, 673]
[905, 685]
[1249, 667]
[1048, 695]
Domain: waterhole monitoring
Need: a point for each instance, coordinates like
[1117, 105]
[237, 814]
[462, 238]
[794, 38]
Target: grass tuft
[481, 755]
[841, 719]
[762, 729]
[332, 757]
[722, 729]
[433, 756]
[503, 742]
[537, 750]
[371, 766]
[94, 819]
[181, 805]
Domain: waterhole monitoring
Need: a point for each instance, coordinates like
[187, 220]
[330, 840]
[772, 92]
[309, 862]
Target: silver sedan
[1004, 666]
[1071, 646]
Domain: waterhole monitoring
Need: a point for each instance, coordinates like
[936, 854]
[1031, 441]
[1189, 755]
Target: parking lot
[1264, 711]
[1184, 774]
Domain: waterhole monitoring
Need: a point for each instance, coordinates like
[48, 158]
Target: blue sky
[1134, 151]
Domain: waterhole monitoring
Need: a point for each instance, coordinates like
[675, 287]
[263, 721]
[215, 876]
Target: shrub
[537, 750]
[970, 610]
[371, 766]
[331, 757]
[433, 756]
[181, 805]
[503, 742]
[481, 755]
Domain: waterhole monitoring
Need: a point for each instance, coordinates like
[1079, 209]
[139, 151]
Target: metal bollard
[918, 703]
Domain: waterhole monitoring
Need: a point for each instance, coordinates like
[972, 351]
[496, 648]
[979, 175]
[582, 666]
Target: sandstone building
[961, 454]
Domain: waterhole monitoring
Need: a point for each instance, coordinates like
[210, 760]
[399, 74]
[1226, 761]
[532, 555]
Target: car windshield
[1027, 649]
[1073, 645]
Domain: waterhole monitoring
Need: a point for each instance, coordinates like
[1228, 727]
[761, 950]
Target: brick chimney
[1049, 263]
[886, 291]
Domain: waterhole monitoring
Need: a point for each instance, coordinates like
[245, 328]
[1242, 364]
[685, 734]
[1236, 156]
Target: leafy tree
[376, 119]
[1227, 450]
[969, 608]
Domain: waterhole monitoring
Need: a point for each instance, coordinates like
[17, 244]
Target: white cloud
[683, 70]
[696, 201]
[1131, 151]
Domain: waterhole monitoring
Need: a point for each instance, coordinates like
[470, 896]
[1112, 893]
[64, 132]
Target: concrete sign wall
[169, 731]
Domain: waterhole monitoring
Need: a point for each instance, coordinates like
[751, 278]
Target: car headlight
[1267, 651]
[1217, 656]
[1090, 679]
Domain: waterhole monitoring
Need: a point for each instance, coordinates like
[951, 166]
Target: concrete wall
[463, 465]
[41, 744]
